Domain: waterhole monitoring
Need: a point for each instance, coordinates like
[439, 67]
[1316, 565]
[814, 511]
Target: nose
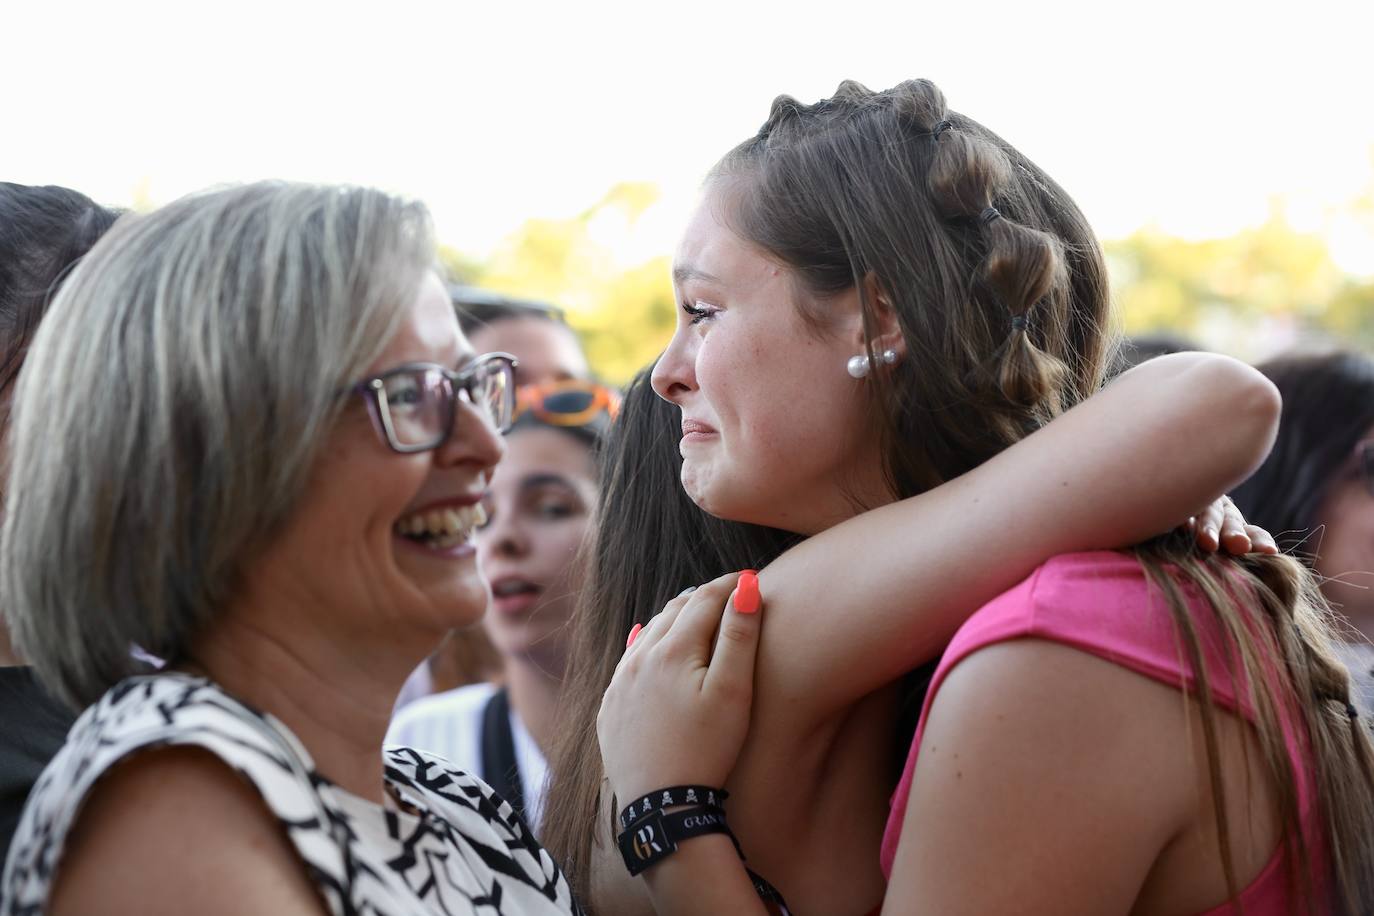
[674, 374]
[473, 442]
[504, 535]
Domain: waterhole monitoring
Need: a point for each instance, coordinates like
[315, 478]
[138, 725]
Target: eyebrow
[543, 480]
[685, 273]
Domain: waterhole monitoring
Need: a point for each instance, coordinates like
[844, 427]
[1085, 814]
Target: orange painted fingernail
[634, 631]
[747, 592]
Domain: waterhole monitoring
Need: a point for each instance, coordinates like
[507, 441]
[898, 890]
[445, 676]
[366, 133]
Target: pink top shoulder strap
[1103, 604]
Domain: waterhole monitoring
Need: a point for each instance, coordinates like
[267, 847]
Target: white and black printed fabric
[464, 852]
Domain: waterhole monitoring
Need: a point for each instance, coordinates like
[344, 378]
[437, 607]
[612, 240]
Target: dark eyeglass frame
[460, 384]
[1364, 463]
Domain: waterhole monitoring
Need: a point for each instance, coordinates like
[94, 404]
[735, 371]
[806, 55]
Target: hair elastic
[939, 129]
[990, 214]
[1351, 711]
[1020, 322]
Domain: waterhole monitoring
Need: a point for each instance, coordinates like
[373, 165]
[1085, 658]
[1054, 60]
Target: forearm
[703, 878]
[883, 592]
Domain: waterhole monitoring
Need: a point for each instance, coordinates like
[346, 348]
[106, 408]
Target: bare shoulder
[1033, 757]
[175, 830]
[1065, 714]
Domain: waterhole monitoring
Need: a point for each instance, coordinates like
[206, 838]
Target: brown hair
[1000, 290]
[994, 275]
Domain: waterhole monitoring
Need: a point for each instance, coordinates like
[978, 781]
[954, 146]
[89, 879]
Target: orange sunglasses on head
[567, 403]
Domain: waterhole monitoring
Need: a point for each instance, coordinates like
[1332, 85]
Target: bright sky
[1188, 115]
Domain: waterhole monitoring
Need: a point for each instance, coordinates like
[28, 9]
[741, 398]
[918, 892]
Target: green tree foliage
[1244, 293]
[624, 311]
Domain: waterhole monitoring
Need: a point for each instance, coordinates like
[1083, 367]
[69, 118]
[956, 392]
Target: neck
[334, 694]
[534, 697]
[8, 657]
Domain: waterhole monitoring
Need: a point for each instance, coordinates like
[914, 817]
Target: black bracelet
[655, 837]
[671, 797]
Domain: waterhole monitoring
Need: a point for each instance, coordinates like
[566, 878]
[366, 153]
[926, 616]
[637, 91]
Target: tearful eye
[699, 311]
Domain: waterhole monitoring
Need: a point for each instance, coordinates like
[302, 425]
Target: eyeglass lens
[492, 393]
[419, 404]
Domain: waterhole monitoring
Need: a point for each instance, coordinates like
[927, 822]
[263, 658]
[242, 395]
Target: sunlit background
[1224, 151]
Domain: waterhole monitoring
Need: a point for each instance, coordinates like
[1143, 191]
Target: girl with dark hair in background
[1315, 491]
[884, 306]
[44, 231]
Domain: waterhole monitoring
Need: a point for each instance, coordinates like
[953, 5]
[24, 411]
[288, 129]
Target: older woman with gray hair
[250, 439]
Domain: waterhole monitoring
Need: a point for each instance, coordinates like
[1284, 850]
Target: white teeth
[479, 515]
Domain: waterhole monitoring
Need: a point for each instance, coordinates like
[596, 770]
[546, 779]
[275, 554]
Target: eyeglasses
[567, 403]
[1364, 459]
[413, 406]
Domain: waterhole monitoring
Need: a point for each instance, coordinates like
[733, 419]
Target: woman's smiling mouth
[441, 529]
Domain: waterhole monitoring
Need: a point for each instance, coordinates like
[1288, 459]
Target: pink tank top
[1102, 603]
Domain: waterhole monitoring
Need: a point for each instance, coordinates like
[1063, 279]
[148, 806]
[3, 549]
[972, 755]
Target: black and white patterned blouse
[466, 852]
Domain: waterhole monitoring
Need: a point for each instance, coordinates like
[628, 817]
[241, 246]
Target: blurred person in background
[251, 440]
[546, 349]
[538, 511]
[1134, 350]
[44, 231]
[1315, 491]
[538, 334]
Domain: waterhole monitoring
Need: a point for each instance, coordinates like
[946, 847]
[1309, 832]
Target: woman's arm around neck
[858, 605]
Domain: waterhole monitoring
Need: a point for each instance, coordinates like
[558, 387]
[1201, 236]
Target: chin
[703, 488]
[461, 604]
[732, 503]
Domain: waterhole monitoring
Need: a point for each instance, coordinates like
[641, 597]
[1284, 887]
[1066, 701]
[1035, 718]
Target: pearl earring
[859, 366]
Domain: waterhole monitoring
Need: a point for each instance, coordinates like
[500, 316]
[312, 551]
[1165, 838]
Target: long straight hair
[1276, 637]
[650, 542]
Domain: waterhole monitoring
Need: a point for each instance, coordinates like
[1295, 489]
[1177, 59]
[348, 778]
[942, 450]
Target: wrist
[656, 822]
[657, 835]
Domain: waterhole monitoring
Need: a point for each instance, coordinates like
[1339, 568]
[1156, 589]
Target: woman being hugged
[884, 305]
[270, 479]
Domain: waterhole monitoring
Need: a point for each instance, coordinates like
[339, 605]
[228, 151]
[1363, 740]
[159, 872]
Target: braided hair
[994, 276]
